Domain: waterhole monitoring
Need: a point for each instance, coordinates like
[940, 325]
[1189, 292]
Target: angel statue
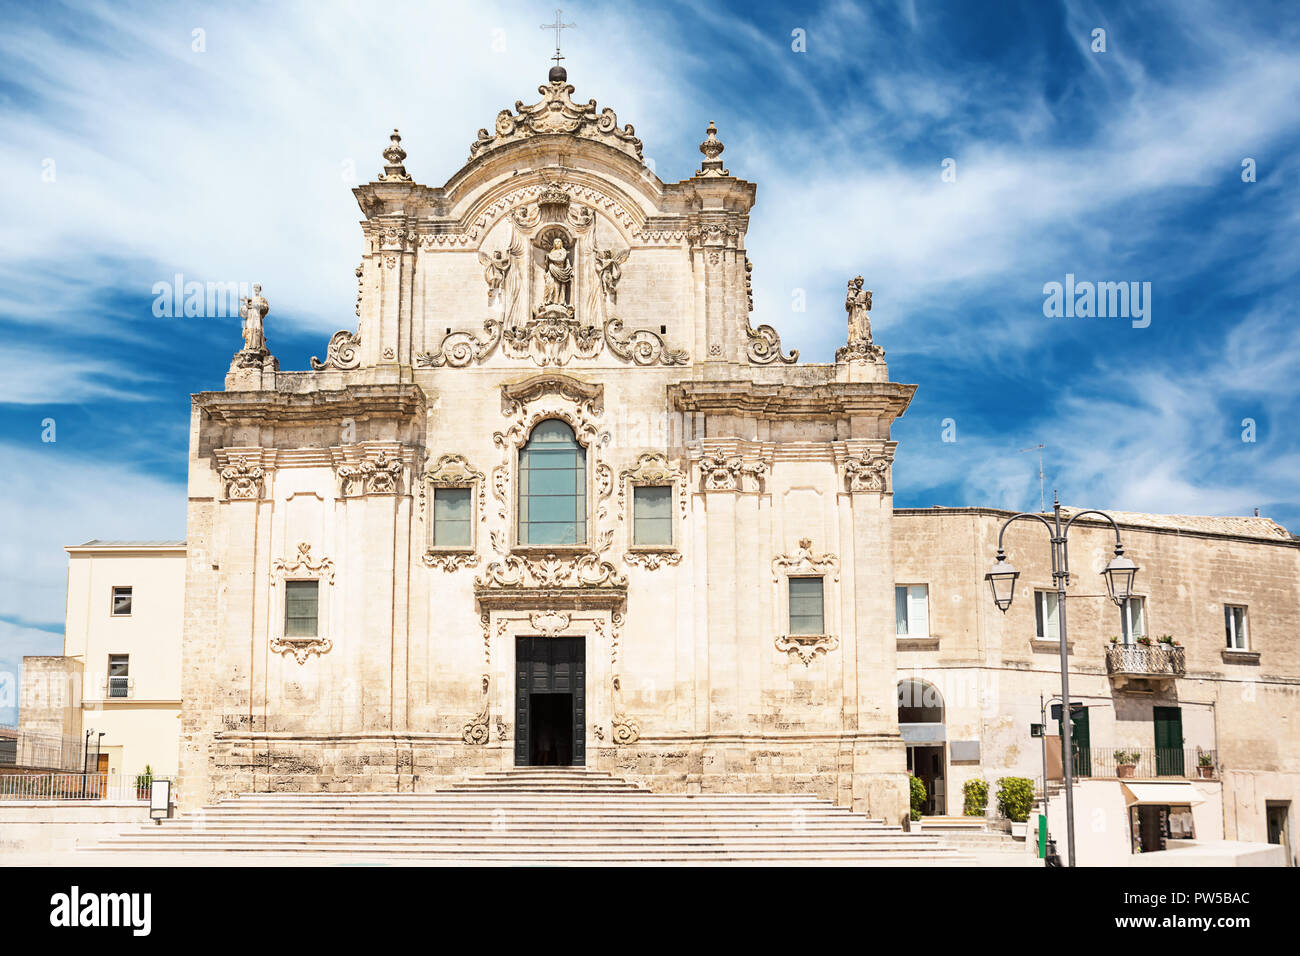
[857, 303]
[609, 265]
[496, 267]
[558, 274]
[253, 310]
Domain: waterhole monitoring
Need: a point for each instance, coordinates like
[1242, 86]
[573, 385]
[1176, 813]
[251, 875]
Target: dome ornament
[394, 171]
[712, 148]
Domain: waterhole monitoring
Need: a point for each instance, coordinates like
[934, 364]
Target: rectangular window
[912, 610]
[1134, 619]
[1046, 619]
[652, 515]
[806, 606]
[301, 602]
[1234, 622]
[453, 517]
[121, 602]
[118, 675]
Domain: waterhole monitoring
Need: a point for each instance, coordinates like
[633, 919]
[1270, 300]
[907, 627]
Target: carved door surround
[550, 615]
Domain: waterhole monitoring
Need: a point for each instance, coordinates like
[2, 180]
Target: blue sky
[235, 162]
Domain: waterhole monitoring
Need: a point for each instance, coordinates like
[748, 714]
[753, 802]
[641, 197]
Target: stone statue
[558, 274]
[857, 303]
[253, 310]
[496, 267]
[609, 266]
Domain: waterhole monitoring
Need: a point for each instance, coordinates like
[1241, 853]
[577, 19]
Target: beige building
[119, 677]
[557, 500]
[1195, 684]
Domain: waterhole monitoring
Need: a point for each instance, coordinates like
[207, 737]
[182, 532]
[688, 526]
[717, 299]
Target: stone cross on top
[557, 26]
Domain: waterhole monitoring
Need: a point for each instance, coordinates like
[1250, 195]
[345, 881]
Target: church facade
[556, 500]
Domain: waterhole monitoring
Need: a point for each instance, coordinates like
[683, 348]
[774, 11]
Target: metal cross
[557, 26]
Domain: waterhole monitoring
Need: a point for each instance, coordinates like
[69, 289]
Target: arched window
[919, 703]
[552, 487]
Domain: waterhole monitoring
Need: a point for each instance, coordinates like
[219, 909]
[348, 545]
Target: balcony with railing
[1145, 664]
[1146, 763]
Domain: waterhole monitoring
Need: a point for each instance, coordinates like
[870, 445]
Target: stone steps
[530, 817]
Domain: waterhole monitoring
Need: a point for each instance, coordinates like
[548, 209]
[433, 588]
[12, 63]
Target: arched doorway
[920, 721]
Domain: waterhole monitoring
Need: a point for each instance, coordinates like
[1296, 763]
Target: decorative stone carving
[721, 473]
[804, 561]
[458, 349]
[242, 480]
[625, 727]
[376, 476]
[764, 347]
[651, 560]
[551, 570]
[450, 560]
[549, 623]
[807, 646]
[651, 469]
[476, 731]
[344, 352]
[553, 337]
[857, 302]
[555, 112]
[866, 472]
[712, 149]
[641, 346]
[394, 171]
[303, 567]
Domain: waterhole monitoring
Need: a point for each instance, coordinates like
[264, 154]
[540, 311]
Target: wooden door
[1169, 741]
[550, 665]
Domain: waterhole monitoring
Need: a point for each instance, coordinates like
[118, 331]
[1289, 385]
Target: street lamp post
[1119, 574]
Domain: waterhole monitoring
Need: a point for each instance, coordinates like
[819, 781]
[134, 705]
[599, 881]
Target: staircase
[528, 816]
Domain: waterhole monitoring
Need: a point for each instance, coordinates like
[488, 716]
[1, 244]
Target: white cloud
[56, 499]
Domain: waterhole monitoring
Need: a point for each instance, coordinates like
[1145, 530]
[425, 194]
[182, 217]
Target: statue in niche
[253, 310]
[609, 264]
[857, 302]
[559, 275]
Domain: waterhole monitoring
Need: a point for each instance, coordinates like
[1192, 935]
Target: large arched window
[552, 487]
[919, 703]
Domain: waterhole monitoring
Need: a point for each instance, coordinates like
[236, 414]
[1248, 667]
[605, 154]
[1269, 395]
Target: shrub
[918, 795]
[1015, 798]
[976, 793]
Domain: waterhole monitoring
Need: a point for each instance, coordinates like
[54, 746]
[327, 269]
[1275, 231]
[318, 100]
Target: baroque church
[555, 501]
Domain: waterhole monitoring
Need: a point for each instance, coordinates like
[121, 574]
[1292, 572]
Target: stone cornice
[399, 400]
[831, 400]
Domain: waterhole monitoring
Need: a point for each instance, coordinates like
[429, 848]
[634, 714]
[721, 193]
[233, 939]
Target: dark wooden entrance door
[550, 701]
[1169, 741]
[1080, 741]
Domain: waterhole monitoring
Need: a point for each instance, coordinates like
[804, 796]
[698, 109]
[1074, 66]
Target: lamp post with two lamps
[1119, 574]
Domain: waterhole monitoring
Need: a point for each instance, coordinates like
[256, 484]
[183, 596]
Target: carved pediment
[591, 396]
[556, 112]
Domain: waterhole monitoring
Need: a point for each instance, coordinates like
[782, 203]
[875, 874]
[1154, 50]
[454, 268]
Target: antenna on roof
[1256, 512]
[1042, 492]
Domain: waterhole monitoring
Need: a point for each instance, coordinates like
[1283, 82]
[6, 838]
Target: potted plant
[144, 783]
[976, 797]
[1125, 762]
[1015, 800]
[1114, 640]
[918, 795]
[1144, 641]
[1205, 765]
[1168, 640]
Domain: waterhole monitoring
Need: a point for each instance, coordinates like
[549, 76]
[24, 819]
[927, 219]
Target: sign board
[160, 798]
[1075, 710]
[1035, 730]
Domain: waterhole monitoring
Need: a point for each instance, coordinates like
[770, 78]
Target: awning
[1169, 793]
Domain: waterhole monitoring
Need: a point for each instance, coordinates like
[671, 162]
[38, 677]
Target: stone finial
[712, 148]
[393, 155]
